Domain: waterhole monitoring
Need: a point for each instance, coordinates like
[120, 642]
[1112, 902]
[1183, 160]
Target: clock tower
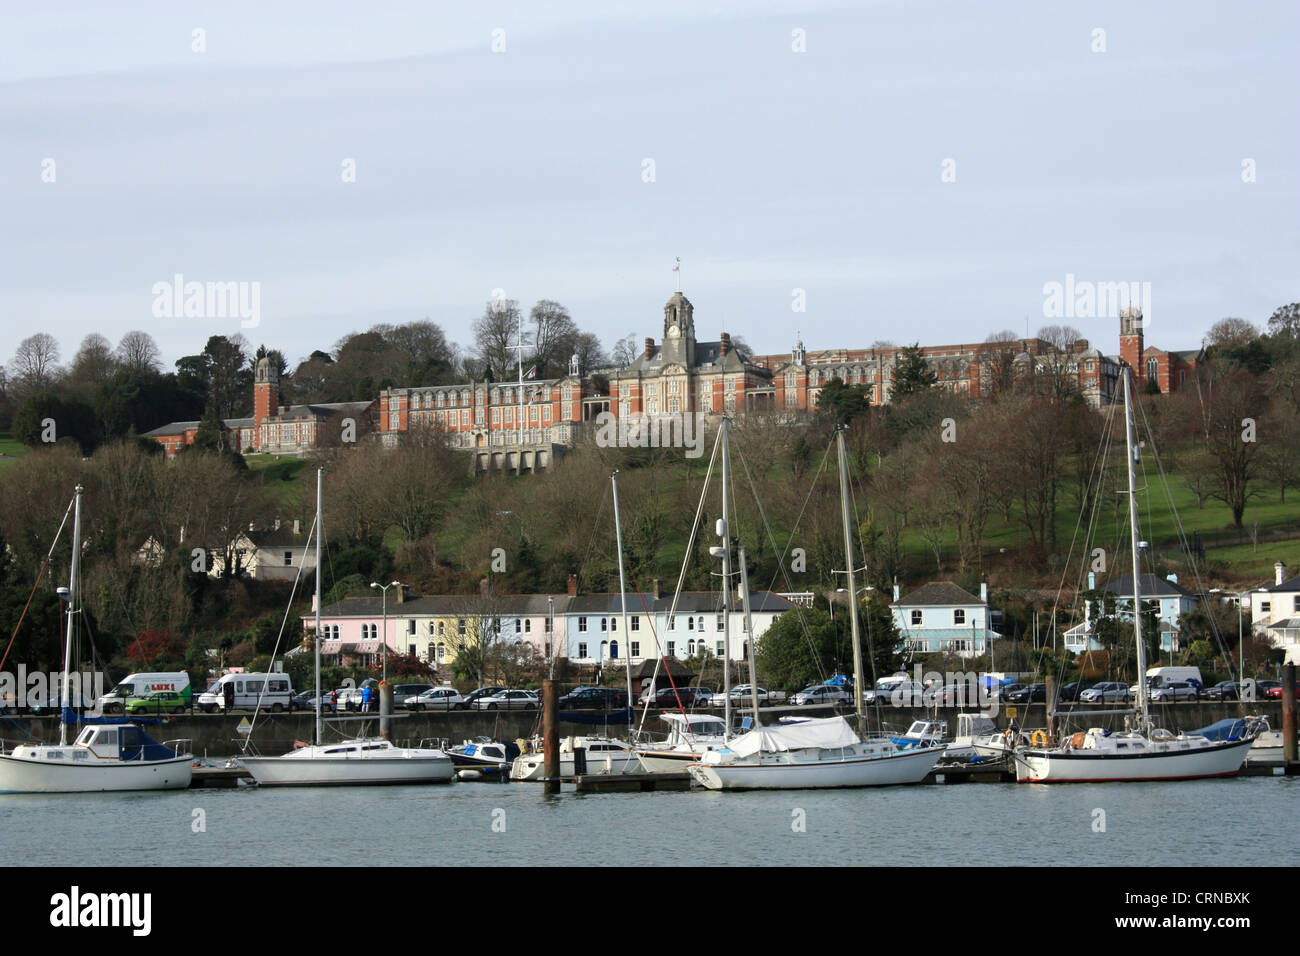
[679, 332]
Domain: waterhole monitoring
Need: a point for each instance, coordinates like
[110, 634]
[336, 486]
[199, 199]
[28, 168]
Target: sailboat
[360, 760]
[1144, 752]
[104, 756]
[816, 753]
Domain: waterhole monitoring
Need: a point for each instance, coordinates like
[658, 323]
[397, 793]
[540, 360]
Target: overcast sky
[525, 168]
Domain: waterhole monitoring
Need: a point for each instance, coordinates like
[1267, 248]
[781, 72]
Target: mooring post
[550, 737]
[385, 708]
[1288, 714]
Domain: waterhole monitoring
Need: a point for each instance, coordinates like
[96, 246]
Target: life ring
[1039, 738]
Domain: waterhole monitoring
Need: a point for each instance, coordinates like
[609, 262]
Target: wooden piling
[550, 737]
[1288, 714]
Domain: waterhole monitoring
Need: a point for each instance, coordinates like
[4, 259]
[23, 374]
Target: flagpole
[519, 351]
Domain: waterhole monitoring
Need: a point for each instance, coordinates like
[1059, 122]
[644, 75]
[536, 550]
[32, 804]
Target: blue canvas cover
[1231, 728]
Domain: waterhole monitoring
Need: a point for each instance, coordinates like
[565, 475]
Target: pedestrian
[366, 694]
[334, 701]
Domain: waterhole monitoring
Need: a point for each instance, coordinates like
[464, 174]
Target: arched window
[1153, 370]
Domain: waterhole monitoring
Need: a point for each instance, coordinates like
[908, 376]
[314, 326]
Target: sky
[850, 172]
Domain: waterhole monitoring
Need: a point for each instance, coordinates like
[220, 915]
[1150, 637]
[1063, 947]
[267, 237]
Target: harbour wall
[218, 735]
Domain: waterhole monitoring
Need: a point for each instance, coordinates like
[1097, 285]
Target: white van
[1163, 676]
[242, 691]
[142, 685]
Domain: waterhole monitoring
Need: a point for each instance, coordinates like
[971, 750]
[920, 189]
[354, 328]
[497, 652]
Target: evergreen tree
[912, 373]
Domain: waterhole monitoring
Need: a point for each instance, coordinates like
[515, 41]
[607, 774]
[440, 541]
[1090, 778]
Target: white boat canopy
[829, 733]
[695, 722]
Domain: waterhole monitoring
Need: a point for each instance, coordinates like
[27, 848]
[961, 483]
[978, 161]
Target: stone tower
[266, 394]
[679, 331]
[1130, 342]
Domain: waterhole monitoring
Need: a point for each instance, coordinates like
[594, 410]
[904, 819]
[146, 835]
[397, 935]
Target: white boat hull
[532, 767]
[25, 775]
[667, 761]
[1080, 766]
[315, 767]
[775, 772]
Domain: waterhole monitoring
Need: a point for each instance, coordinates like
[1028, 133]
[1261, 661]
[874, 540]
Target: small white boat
[360, 761]
[977, 737]
[923, 733]
[690, 736]
[604, 755]
[812, 754]
[1266, 751]
[1099, 755]
[104, 757]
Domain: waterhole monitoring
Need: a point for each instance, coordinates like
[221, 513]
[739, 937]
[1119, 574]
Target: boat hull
[48, 776]
[343, 772]
[1049, 766]
[904, 767]
[532, 767]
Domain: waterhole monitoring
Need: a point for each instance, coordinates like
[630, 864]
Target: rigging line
[315, 525]
[1183, 541]
[35, 584]
[780, 563]
[686, 559]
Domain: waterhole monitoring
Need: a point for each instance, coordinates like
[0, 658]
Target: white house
[1275, 612]
[1172, 600]
[941, 617]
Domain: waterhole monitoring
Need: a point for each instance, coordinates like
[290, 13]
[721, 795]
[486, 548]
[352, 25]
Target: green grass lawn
[286, 478]
[11, 449]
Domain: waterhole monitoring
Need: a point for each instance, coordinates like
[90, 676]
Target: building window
[916, 618]
[1265, 607]
[719, 622]
[690, 624]
[410, 626]
[700, 624]
[519, 625]
[959, 616]
[288, 559]
[460, 627]
[721, 649]
[528, 625]
[672, 624]
[636, 626]
[613, 624]
[582, 629]
[672, 649]
[582, 651]
[636, 648]
[604, 624]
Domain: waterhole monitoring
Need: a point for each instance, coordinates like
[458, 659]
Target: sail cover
[830, 732]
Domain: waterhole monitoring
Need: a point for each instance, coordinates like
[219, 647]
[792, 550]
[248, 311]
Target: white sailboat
[1145, 752]
[358, 761]
[103, 757]
[816, 753]
[690, 737]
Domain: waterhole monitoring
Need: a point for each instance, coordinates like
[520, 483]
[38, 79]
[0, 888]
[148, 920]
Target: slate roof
[1292, 585]
[1152, 586]
[937, 593]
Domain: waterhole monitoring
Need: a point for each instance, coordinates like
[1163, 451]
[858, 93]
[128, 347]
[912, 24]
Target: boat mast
[1131, 442]
[853, 595]
[622, 589]
[749, 631]
[65, 700]
[724, 532]
[319, 529]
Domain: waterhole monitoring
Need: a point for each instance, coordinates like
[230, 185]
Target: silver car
[509, 700]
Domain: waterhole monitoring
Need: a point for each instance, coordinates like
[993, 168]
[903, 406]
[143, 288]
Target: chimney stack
[276, 526]
[724, 346]
[297, 526]
[649, 348]
[1092, 580]
[984, 592]
[1279, 573]
[896, 594]
[483, 586]
[656, 588]
[401, 593]
[573, 585]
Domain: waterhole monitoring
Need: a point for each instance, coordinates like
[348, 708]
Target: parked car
[1262, 687]
[350, 697]
[307, 701]
[1110, 692]
[159, 702]
[1033, 693]
[740, 693]
[593, 698]
[473, 697]
[1176, 690]
[437, 698]
[1275, 693]
[822, 694]
[1223, 690]
[509, 700]
[1070, 691]
[667, 697]
[405, 692]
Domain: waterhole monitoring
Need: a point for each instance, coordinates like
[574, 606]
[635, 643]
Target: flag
[531, 373]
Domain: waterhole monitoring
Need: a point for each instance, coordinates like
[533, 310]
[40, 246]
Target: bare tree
[996, 359]
[93, 365]
[496, 332]
[1227, 333]
[138, 352]
[34, 366]
[625, 351]
[554, 339]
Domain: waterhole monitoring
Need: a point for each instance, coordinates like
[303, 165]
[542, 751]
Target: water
[1240, 821]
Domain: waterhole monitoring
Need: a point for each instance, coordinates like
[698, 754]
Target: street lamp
[384, 654]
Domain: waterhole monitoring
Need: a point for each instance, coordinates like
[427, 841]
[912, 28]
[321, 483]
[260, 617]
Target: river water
[1236, 822]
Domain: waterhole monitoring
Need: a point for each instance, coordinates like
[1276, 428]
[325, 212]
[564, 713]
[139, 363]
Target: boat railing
[181, 746]
[433, 743]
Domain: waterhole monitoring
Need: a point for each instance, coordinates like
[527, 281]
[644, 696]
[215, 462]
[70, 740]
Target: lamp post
[384, 653]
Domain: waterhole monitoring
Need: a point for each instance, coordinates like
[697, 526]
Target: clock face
[673, 332]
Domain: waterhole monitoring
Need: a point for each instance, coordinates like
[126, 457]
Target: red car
[1275, 693]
